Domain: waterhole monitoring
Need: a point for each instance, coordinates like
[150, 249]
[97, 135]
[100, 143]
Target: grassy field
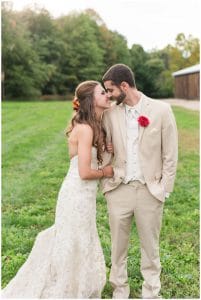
[34, 163]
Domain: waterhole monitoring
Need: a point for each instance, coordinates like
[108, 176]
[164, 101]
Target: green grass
[35, 161]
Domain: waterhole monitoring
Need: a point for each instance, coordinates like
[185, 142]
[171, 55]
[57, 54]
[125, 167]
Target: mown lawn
[34, 163]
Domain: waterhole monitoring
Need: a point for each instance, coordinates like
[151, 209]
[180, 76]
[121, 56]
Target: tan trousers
[124, 203]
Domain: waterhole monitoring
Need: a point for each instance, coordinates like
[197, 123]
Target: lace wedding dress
[66, 260]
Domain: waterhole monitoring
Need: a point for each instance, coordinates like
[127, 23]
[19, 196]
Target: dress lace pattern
[66, 260]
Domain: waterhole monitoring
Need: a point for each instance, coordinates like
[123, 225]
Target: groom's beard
[120, 98]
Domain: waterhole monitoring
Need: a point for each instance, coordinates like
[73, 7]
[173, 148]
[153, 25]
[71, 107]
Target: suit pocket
[158, 176]
[154, 131]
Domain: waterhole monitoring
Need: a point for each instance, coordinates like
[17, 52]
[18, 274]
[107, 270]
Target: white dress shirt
[133, 169]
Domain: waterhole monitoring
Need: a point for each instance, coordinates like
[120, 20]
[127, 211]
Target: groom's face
[114, 92]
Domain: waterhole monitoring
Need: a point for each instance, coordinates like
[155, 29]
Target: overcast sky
[150, 23]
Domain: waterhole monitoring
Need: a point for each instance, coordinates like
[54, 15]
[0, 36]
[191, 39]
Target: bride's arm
[85, 138]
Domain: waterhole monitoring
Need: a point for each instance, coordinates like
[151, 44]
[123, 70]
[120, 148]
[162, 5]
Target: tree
[138, 59]
[83, 58]
[24, 73]
[114, 46]
[47, 43]
[185, 52]
[189, 48]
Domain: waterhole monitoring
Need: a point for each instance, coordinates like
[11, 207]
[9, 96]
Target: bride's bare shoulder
[83, 129]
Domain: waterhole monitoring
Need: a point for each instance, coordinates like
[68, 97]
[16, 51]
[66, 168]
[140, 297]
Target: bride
[66, 260]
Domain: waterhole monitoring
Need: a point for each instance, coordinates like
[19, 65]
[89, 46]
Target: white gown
[66, 260]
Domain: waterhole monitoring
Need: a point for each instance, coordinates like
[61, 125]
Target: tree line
[42, 55]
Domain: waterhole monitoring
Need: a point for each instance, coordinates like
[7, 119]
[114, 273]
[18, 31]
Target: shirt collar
[136, 107]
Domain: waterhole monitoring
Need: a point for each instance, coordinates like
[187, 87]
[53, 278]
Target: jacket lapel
[122, 122]
[145, 111]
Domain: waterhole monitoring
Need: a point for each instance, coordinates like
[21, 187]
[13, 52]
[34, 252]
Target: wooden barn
[187, 83]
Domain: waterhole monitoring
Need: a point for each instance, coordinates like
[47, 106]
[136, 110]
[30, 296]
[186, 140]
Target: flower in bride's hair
[76, 104]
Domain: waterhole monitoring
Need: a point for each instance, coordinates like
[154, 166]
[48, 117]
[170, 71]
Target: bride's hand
[110, 148]
[108, 171]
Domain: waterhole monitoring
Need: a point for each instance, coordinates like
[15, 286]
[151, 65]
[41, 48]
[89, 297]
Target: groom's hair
[119, 73]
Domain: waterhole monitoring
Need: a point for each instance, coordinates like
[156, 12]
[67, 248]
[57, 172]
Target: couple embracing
[130, 147]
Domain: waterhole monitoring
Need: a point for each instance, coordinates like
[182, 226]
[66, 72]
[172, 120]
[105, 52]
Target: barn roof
[189, 70]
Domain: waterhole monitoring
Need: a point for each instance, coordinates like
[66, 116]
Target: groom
[144, 137]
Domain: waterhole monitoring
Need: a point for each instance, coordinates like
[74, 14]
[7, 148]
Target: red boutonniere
[76, 104]
[143, 121]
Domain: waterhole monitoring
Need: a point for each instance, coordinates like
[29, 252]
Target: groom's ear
[124, 85]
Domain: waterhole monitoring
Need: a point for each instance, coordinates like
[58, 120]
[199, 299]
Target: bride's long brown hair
[85, 114]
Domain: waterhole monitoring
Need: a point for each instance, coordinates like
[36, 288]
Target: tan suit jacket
[158, 146]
